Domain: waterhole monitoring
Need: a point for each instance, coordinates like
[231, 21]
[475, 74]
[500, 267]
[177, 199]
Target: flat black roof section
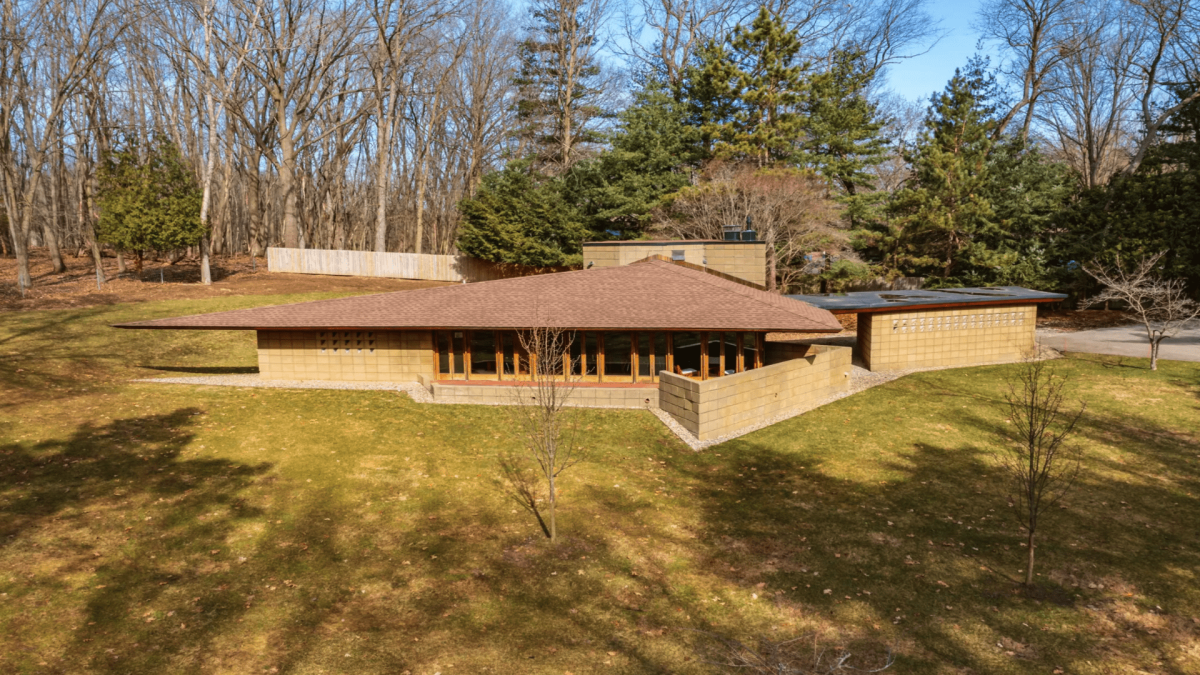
[874, 301]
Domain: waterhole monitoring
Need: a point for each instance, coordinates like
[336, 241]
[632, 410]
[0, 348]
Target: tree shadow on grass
[457, 588]
[114, 504]
[917, 558]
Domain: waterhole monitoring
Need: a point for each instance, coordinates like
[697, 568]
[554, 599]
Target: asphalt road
[1124, 341]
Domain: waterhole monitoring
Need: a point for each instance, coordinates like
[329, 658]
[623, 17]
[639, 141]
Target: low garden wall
[582, 396]
[804, 376]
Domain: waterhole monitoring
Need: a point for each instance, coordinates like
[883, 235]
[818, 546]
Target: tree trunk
[19, 235]
[121, 268]
[56, 261]
[383, 157]
[205, 271]
[255, 204]
[1154, 354]
[553, 504]
[51, 226]
[287, 189]
[206, 196]
[1029, 567]
[24, 281]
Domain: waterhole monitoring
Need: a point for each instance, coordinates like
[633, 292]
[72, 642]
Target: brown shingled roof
[649, 295]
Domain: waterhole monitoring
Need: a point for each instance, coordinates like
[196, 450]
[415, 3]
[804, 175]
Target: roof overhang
[870, 302]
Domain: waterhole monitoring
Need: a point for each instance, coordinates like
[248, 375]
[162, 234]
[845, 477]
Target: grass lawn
[171, 529]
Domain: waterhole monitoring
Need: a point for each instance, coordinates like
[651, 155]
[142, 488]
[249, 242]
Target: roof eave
[676, 329]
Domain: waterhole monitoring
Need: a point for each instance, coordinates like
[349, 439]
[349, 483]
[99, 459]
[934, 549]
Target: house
[649, 334]
[951, 327]
[655, 333]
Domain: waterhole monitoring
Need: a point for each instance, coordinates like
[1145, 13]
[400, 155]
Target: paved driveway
[1124, 341]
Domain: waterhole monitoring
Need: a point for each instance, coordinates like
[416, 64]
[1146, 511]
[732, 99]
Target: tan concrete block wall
[720, 406]
[583, 397]
[744, 261]
[358, 356]
[946, 337]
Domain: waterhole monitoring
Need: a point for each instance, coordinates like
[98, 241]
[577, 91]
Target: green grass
[169, 529]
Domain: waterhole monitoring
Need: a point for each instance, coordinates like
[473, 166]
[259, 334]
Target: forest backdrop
[516, 131]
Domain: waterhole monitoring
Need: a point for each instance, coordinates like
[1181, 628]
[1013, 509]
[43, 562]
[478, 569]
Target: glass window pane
[506, 347]
[520, 356]
[617, 359]
[714, 354]
[458, 344]
[443, 348]
[749, 349]
[576, 353]
[644, 365]
[660, 353]
[593, 351]
[730, 353]
[483, 352]
[687, 354]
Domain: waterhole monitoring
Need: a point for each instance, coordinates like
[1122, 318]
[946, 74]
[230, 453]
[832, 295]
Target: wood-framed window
[600, 356]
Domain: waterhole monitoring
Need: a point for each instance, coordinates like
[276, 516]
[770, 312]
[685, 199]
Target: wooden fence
[422, 266]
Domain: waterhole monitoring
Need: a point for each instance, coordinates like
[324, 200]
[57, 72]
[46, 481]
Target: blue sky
[917, 78]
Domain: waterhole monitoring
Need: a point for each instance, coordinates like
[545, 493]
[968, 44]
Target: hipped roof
[648, 295]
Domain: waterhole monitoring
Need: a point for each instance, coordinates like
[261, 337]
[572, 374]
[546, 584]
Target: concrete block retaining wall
[720, 406]
[584, 397]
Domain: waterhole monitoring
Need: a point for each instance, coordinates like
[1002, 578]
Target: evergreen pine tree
[843, 138]
[648, 158]
[747, 98]
[149, 203]
[943, 217]
[1027, 192]
[520, 217]
[709, 94]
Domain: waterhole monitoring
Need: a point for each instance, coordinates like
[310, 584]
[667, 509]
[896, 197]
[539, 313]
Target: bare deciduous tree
[790, 210]
[46, 53]
[677, 27]
[1041, 467]
[1089, 94]
[1170, 57]
[300, 46]
[542, 412]
[1162, 305]
[1034, 37]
